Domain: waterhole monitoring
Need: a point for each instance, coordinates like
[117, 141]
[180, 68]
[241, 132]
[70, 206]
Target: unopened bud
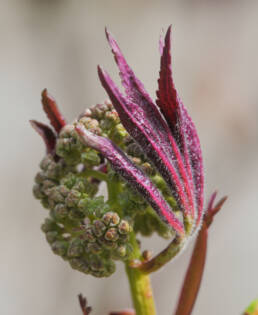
[99, 110]
[59, 247]
[73, 198]
[119, 133]
[63, 190]
[124, 227]
[67, 131]
[60, 211]
[75, 248]
[91, 124]
[111, 218]
[94, 248]
[111, 235]
[88, 235]
[48, 225]
[91, 157]
[51, 236]
[121, 251]
[148, 169]
[37, 192]
[40, 177]
[98, 228]
[55, 195]
[134, 150]
[80, 265]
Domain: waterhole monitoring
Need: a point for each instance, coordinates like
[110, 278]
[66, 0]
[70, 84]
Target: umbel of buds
[148, 155]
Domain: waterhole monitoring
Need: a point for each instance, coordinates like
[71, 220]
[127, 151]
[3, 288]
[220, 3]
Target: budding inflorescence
[148, 154]
[82, 228]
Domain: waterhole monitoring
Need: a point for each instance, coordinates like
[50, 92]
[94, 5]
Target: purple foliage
[163, 130]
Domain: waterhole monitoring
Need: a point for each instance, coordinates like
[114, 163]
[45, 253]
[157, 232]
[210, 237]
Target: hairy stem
[140, 285]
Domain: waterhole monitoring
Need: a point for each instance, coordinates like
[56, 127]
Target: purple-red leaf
[47, 135]
[195, 269]
[151, 115]
[132, 174]
[152, 139]
[181, 126]
[50, 107]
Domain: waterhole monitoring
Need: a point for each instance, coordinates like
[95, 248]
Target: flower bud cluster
[92, 246]
[61, 189]
[82, 228]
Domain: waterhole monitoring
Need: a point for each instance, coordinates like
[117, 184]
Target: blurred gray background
[58, 44]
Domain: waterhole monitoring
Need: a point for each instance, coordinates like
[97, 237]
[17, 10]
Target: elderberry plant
[148, 155]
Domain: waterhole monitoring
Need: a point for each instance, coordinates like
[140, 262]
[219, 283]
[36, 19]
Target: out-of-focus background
[58, 44]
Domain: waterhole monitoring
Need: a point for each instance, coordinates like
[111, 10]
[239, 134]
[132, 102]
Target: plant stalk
[140, 285]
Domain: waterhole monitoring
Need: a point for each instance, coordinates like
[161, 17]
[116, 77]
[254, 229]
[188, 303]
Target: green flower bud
[110, 245]
[124, 227]
[97, 264]
[111, 218]
[51, 236]
[88, 235]
[80, 264]
[90, 157]
[73, 198]
[99, 228]
[68, 145]
[60, 211]
[75, 248]
[148, 169]
[64, 191]
[121, 251]
[119, 133]
[48, 225]
[54, 195]
[123, 238]
[53, 170]
[172, 202]
[91, 124]
[37, 191]
[69, 180]
[45, 162]
[136, 160]
[111, 235]
[40, 177]
[67, 131]
[98, 111]
[110, 120]
[110, 268]
[161, 184]
[133, 149]
[59, 247]
[96, 206]
[76, 214]
[94, 248]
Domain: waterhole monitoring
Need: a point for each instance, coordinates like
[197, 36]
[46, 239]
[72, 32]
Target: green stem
[96, 174]
[140, 285]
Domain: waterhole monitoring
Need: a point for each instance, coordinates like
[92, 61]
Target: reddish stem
[195, 269]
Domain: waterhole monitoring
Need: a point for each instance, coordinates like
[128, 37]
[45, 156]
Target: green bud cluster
[91, 246]
[83, 229]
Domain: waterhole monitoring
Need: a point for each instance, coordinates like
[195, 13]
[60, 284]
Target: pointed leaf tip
[54, 115]
[47, 135]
